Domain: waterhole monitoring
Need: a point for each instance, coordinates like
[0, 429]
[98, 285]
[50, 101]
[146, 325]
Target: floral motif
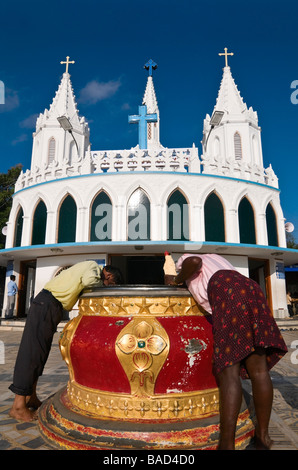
[142, 344]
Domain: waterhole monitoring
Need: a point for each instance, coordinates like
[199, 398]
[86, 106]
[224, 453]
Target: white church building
[126, 207]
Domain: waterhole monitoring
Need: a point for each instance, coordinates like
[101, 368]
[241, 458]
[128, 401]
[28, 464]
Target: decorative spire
[229, 99]
[63, 104]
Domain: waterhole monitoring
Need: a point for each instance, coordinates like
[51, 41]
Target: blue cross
[142, 118]
[150, 66]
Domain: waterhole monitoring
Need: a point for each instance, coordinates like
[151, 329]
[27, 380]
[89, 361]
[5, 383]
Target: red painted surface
[94, 360]
[187, 368]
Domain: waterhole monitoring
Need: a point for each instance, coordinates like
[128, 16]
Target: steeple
[231, 102]
[50, 142]
[150, 101]
[234, 144]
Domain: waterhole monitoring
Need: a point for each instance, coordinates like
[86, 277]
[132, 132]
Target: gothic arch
[65, 191]
[246, 221]
[101, 217]
[40, 196]
[214, 218]
[18, 227]
[177, 216]
[139, 184]
[39, 223]
[138, 216]
[271, 223]
[67, 220]
[95, 190]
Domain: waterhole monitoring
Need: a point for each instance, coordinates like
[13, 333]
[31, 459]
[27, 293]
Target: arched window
[39, 224]
[138, 216]
[101, 218]
[67, 221]
[51, 150]
[73, 153]
[271, 226]
[216, 147]
[237, 146]
[255, 150]
[177, 217]
[214, 219]
[18, 228]
[246, 222]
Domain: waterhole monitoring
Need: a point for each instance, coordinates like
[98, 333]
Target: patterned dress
[242, 321]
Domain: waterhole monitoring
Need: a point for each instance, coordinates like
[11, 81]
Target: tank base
[65, 429]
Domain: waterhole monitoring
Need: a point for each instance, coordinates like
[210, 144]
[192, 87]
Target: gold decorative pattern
[65, 342]
[171, 406]
[142, 348]
[140, 305]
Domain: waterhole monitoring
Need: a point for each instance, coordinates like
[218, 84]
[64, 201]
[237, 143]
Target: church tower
[234, 146]
[148, 117]
[150, 101]
[52, 146]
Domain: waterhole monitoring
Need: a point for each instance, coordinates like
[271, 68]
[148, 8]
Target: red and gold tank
[140, 356]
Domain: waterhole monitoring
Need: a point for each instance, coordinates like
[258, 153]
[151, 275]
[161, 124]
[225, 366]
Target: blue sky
[111, 41]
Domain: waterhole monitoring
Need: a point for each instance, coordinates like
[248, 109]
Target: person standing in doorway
[12, 290]
[289, 304]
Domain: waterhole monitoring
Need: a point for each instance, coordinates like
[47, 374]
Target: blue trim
[149, 243]
[112, 173]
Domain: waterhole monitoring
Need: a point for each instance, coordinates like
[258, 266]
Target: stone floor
[15, 435]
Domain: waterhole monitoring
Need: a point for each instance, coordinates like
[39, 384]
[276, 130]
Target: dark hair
[12, 277]
[117, 274]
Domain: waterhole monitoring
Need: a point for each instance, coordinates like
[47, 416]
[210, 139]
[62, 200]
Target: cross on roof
[226, 53]
[142, 118]
[67, 63]
[151, 65]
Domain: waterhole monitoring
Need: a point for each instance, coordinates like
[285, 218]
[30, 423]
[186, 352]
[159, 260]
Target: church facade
[126, 207]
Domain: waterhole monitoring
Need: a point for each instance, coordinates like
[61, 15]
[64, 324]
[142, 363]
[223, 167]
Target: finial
[226, 53]
[151, 65]
[67, 63]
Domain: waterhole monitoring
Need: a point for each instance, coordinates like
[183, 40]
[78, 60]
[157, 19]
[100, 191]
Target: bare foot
[33, 402]
[22, 414]
[20, 411]
[263, 444]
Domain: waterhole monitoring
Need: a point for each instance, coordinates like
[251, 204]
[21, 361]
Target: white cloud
[126, 107]
[29, 122]
[21, 138]
[11, 101]
[96, 91]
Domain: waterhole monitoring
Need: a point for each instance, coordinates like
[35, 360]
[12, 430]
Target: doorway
[26, 287]
[140, 269]
[259, 271]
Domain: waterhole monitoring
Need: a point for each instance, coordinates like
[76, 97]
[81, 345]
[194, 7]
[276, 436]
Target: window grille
[237, 146]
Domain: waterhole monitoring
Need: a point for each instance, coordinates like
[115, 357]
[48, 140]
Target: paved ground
[25, 436]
